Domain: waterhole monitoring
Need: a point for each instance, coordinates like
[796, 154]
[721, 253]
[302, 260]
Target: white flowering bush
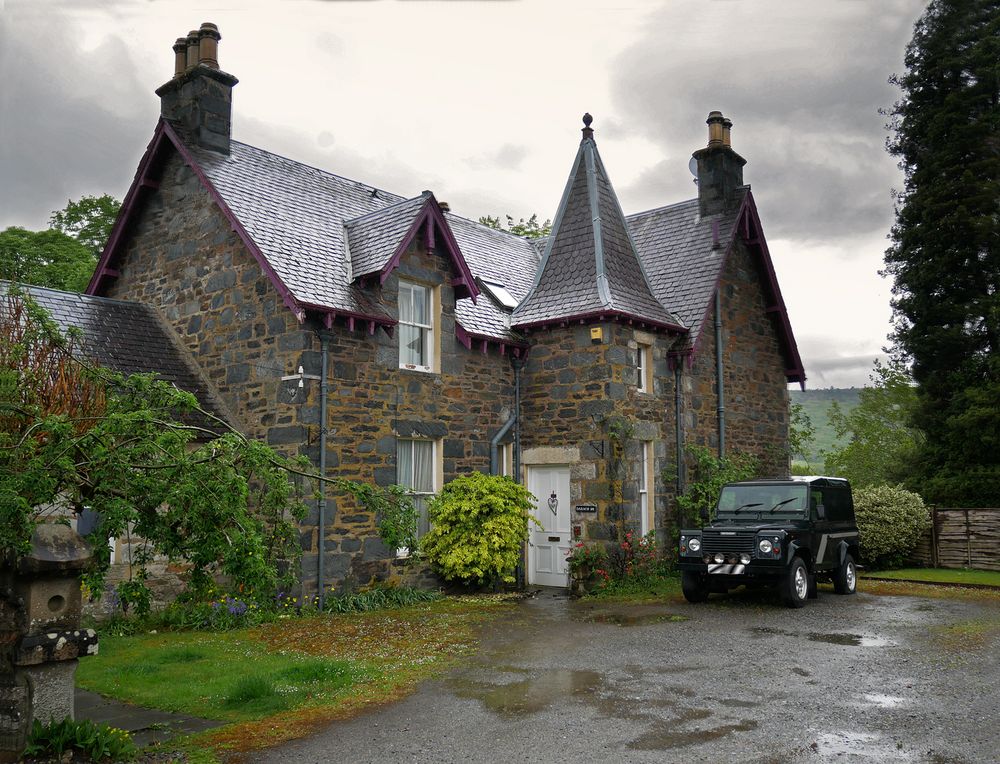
[891, 521]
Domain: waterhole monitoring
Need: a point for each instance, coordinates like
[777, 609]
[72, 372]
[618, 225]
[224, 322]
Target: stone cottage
[393, 341]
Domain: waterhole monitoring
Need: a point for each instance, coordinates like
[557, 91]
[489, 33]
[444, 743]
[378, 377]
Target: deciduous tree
[530, 228]
[879, 442]
[45, 258]
[89, 220]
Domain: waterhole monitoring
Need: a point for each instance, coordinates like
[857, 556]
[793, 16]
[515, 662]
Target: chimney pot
[715, 128]
[719, 168]
[199, 97]
[208, 45]
[180, 56]
[192, 49]
[445, 207]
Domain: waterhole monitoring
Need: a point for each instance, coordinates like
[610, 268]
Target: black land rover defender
[781, 532]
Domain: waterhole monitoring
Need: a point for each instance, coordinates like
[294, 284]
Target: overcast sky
[480, 102]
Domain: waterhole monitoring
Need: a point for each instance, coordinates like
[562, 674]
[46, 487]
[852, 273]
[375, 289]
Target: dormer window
[416, 326]
[499, 293]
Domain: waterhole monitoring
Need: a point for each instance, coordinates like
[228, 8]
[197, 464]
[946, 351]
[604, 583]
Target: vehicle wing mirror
[821, 512]
[704, 514]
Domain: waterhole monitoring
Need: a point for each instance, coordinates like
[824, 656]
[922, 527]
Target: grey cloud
[837, 370]
[803, 85]
[65, 134]
[509, 156]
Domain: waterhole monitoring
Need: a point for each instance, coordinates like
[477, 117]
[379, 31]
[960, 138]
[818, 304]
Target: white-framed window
[416, 326]
[417, 470]
[505, 459]
[643, 357]
[646, 487]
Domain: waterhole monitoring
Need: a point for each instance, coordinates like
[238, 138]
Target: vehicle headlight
[765, 546]
[694, 544]
[719, 558]
[745, 559]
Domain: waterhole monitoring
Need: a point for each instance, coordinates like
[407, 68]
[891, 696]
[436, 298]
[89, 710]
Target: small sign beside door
[584, 508]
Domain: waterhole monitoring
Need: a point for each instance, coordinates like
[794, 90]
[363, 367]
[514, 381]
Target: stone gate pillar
[40, 634]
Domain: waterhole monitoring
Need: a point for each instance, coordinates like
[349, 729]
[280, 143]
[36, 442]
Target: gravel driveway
[845, 679]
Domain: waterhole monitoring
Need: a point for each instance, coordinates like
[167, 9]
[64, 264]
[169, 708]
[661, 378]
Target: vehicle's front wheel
[796, 586]
[694, 586]
[846, 580]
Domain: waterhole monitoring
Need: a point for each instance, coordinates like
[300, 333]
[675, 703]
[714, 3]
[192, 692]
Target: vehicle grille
[714, 541]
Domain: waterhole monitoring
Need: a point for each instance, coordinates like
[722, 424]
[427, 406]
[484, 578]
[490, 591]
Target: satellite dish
[693, 166]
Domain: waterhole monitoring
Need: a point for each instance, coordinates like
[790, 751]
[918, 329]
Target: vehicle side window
[815, 502]
[837, 504]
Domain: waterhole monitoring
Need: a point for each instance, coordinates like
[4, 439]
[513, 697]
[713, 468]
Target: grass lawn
[941, 575]
[281, 680]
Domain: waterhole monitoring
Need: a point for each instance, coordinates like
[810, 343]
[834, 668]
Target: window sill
[419, 369]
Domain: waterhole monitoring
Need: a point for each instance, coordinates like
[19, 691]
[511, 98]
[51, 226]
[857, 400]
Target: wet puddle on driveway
[847, 640]
[863, 745]
[629, 615]
[530, 695]
[884, 701]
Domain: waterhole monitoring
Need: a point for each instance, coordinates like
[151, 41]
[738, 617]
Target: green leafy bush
[478, 524]
[95, 741]
[891, 521]
[707, 476]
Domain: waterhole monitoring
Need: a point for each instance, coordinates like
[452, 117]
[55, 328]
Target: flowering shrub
[634, 557]
[586, 558]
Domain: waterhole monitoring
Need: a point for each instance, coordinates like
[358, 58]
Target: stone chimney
[720, 169]
[199, 98]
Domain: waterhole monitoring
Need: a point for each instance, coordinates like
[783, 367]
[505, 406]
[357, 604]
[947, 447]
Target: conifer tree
[945, 252]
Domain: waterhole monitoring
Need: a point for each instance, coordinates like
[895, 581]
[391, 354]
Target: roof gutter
[604, 315]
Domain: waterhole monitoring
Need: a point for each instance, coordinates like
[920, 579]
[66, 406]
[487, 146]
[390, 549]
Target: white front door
[549, 542]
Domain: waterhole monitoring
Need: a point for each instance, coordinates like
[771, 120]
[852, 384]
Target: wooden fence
[961, 538]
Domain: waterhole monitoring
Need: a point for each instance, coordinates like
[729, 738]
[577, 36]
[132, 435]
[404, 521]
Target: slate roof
[496, 256]
[373, 239]
[316, 232]
[295, 214]
[590, 265]
[676, 247]
[128, 337]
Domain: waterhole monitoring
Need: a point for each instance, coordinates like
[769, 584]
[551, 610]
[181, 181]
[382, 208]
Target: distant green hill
[816, 403]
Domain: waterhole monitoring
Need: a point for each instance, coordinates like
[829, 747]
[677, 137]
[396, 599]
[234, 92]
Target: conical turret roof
[590, 268]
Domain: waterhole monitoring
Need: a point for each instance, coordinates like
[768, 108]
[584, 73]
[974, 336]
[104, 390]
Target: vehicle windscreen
[763, 500]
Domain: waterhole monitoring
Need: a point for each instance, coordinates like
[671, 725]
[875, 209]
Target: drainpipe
[323, 390]
[520, 573]
[518, 364]
[495, 444]
[718, 373]
[678, 418]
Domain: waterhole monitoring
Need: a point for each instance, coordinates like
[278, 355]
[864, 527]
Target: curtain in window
[411, 345]
[415, 467]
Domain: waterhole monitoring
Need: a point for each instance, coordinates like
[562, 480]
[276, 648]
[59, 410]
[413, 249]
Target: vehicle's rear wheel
[796, 586]
[694, 586]
[846, 580]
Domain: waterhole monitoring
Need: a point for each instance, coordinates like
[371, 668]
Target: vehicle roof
[811, 479]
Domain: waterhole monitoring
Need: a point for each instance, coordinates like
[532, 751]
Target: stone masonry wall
[576, 396]
[755, 388]
[184, 259]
